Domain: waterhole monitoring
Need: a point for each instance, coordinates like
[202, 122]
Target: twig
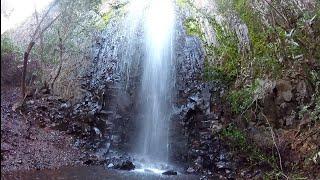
[274, 141]
[278, 12]
[248, 107]
[28, 123]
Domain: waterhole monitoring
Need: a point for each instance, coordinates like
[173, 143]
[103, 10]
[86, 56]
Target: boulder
[124, 165]
[170, 173]
[284, 91]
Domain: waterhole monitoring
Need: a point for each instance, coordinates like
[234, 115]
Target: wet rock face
[111, 97]
[110, 89]
[198, 109]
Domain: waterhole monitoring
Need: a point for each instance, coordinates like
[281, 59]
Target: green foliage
[229, 57]
[227, 70]
[273, 47]
[313, 108]
[182, 3]
[214, 73]
[264, 43]
[235, 135]
[10, 56]
[193, 28]
[8, 47]
[77, 25]
[265, 47]
[239, 143]
[315, 114]
[240, 100]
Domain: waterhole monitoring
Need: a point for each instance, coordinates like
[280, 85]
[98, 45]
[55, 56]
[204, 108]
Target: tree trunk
[41, 43]
[25, 63]
[60, 63]
[30, 46]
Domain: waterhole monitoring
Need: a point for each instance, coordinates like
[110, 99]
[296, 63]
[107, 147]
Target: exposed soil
[25, 146]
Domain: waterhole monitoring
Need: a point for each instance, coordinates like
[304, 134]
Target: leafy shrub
[225, 55]
[240, 143]
[10, 53]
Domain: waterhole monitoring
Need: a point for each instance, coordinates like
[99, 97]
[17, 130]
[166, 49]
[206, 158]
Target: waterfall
[157, 79]
[146, 56]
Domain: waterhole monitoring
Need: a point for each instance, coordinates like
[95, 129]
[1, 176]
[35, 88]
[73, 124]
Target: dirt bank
[25, 146]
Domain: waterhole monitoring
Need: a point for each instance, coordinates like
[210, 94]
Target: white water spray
[147, 37]
[156, 89]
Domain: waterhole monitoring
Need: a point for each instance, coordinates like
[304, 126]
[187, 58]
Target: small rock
[91, 113]
[190, 170]
[30, 102]
[5, 147]
[110, 165]
[65, 105]
[115, 138]
[223, 165]
[45, 91]
[118, 116]
[88, 162]
[16, 106]
[97, 131]
[170, 173]
[216, 128]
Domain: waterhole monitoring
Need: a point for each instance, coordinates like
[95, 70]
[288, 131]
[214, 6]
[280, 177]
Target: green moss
[192, 28]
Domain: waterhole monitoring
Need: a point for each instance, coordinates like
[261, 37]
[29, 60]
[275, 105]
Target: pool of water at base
[90, 173]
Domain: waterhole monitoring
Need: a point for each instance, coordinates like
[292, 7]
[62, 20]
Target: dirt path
[25, 146]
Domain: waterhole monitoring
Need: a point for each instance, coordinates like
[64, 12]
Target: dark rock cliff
[112, 85]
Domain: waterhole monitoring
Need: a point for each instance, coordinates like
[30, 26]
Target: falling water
[147, 43]
[156, 88]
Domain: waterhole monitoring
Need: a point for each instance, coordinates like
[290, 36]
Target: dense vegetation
[10, 54]
[63, 35]
[283, 44]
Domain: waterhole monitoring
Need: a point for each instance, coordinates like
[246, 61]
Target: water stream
[154, 21]
[156, 88]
